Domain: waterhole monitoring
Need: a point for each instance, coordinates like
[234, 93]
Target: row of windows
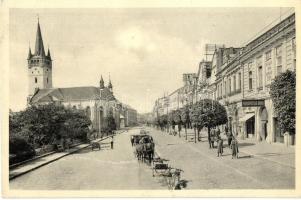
[39, 61]
[230, 86]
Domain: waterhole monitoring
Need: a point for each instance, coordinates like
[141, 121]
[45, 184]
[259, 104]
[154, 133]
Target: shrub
[19, 150]
[283, 93]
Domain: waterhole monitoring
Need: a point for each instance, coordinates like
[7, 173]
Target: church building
[96, 102]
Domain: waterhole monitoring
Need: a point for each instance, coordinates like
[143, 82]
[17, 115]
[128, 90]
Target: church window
[36, 80]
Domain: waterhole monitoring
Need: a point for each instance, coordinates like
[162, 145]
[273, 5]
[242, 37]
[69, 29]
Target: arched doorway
[264, 122]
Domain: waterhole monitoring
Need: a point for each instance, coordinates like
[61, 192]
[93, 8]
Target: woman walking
[234, 147]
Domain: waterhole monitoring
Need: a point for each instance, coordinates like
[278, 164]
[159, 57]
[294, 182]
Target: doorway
[264, 122]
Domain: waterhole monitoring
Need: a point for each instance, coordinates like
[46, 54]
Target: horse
[149, 151]
[139, 151]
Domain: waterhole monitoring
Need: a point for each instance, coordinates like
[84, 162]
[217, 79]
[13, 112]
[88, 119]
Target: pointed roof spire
[29, 54]
[110, 86]
[101, 83]
[39, 47]
[48, 54]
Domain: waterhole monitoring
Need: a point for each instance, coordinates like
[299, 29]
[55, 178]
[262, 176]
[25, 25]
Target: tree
[208, 113]
[283, 93]
[170, 118]
[178, 120]
[76, 125]
[185, 118]
[111, 121]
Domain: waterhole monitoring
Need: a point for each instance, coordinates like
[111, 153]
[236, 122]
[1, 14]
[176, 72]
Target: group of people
[232, 141]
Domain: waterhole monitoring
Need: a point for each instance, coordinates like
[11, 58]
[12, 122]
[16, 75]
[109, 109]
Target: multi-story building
[243, 82]
[240, 78]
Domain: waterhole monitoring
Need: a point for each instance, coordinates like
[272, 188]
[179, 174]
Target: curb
[13, 166]
[50, 161]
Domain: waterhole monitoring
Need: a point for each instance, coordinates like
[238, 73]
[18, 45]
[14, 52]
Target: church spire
[39, 47]
[101, 83]
[48, 54]
[110, 86]
[29, 54]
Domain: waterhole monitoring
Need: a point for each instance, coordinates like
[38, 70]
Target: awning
[246, 117]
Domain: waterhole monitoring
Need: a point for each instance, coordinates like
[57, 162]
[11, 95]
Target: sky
[145, 51]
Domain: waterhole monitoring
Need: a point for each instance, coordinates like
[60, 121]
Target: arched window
[36, 80]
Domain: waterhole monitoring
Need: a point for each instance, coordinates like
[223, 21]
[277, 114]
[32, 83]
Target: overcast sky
[146, 51]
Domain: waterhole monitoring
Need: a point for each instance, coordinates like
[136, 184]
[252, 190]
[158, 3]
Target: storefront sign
[252, 103]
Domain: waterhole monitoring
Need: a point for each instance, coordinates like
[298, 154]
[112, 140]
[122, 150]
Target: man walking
[229, 136]
[234, 147]
[219, 146]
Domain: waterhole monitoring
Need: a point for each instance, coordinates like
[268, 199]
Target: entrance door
[250, 126]
[264, 121]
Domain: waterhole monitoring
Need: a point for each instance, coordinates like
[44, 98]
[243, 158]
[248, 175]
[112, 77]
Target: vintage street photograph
[152, 98]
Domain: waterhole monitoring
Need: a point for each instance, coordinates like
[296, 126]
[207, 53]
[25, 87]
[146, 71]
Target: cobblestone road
[118, 168]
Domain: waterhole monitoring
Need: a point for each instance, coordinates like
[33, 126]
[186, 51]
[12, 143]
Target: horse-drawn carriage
[144, 146]
[160, 166]
[172, 175]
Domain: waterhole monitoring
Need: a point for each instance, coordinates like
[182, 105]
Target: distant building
[96, 102]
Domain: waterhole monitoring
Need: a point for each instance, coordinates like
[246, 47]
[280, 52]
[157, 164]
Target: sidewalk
[259, 166]
[39, 162]
[275, 152]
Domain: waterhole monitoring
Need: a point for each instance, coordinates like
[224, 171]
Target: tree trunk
[194, 128]
[185, 131]
[208, 128]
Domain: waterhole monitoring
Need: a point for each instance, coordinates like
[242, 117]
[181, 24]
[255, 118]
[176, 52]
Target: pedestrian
[234, 147]
[219, 146]
[218, 132]
[226, 130]
[210, 138]
[213, 137]
[112, 142]
[229, 136]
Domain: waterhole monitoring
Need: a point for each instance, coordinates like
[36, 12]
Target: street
[119, 169]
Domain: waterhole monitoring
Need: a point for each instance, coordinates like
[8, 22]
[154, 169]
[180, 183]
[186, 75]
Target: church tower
[39, 66]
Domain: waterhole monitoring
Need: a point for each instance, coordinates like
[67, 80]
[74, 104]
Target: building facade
[240, 78]
[243, 82]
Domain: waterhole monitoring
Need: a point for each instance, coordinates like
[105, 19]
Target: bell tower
[39, 66]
